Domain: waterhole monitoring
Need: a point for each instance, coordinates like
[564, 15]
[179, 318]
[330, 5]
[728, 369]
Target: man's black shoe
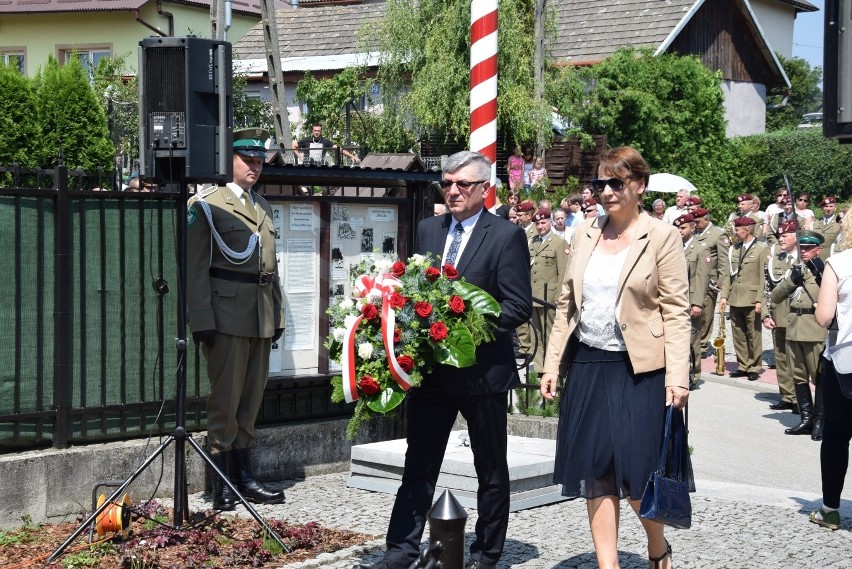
[383, 564]
[752, 376]
[478, 565]
[782, 406]
[737, 373]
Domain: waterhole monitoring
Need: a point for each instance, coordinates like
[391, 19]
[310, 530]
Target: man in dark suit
[492, 254]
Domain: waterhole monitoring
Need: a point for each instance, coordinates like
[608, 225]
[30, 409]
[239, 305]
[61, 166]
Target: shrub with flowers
[401, 320]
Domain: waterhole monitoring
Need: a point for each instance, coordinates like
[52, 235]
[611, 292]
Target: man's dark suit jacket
[496, 258]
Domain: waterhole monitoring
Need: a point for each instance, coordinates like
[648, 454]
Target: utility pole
[538, 80]
[276, 76]
[217, 20]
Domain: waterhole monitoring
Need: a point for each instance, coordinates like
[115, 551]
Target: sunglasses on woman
[599, 184]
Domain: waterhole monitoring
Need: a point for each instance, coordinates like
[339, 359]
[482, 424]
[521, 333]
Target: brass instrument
[719, 343]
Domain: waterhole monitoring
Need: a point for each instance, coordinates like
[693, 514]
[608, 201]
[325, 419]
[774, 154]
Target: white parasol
[669, 183]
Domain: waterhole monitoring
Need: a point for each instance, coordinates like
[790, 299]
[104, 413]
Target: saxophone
[719, 343]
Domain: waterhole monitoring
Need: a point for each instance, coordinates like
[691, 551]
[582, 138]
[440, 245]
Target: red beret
[787, 227]
[828, 200]
[525, 206]
[693, 200]
[744, 222]
[699, 212]
[784, 201]
[744, 198]
[685, 218]
[589, 202]
[542, 213]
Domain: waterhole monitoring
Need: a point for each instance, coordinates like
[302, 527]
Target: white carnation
[383, 266]
[365, 351]
[418, 259]
[349, 321]
[338, 334]
[347, 304]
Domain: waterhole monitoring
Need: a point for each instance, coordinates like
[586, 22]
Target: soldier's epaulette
[203, 194]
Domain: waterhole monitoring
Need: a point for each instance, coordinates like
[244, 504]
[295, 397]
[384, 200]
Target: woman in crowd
[620, 332]
[658, 208]
[515, 169]
[803, 211]
[835, 298]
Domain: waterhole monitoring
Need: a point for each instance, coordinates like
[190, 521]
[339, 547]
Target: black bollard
[447, 519]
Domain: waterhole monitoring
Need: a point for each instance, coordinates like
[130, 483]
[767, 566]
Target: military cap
[251, 142]
[785, 200]
[828, 200]
[699, 212]
[744, 198]
[744, 221]
[693, 200]
[787, 227]
[807, 237]
[525, 206]
[542, 213]
[589, 202]
[685, 218]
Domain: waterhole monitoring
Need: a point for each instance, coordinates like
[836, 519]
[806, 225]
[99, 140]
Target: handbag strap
[667, 433]
[677, 444]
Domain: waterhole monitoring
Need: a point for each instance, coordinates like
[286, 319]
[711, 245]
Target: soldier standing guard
[236, 311]
[828, 226]
[778, 263]
[717, 243]
[743, 285]
[805, 338]
[698, 263]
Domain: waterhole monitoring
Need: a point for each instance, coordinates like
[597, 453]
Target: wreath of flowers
[402, 319]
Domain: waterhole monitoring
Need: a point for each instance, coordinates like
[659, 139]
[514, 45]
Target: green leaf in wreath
[477, 299]
[387, 400]
[457, 349]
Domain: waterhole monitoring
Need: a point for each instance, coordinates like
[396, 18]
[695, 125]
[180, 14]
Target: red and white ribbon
[483, 84]
[350, 378]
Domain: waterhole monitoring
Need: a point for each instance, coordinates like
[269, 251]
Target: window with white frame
[88, 56]
[14, 57]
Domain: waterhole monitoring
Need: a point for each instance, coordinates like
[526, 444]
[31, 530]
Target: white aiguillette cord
[234, 257]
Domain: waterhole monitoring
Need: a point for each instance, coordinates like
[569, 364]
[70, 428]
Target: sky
[808, 34]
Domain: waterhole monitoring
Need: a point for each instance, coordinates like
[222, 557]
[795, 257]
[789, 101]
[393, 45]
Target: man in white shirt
[678, 209]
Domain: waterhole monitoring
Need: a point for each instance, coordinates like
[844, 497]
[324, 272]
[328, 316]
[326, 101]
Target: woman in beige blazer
[622, 336]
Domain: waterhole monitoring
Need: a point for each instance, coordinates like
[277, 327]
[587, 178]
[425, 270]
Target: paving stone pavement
[725, 533]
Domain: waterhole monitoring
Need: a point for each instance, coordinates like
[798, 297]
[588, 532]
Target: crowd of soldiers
[762, 270]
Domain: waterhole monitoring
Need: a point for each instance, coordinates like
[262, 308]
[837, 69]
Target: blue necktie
[454, 246]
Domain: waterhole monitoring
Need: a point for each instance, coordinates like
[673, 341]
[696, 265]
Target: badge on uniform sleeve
[725, 240]
[191, 214]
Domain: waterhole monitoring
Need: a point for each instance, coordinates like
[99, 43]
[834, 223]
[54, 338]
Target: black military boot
[803, 397]
[245, 482]
[223, 498]
[819, 415]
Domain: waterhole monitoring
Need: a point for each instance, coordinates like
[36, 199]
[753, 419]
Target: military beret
[542, 213]
[589, 202]
[693, 200]
[828, 200]
[699, 212]
[744, 222]
[251, 142]
[744, 198]
[525, 206]
[685, 218]
[787, 227]
[807, 237]
[784, 201]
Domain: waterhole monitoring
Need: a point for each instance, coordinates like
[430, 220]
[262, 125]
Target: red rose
[450, 271]
[456, 304]
[398, 269]
[369, 311]
[368, 385]
[397, 335]
[406, 363]
[432, 274]
[423, 309]
[396, 300]
[438, 331]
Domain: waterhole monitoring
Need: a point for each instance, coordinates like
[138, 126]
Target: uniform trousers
[782, 365]
[834, 449]
[697, 324]
[541, 323]
[804, 360]
[709, 312]
[238, 369]
[748, 344]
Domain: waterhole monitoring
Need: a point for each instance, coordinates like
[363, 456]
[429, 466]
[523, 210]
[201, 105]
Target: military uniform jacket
[778, 265]
[547, 266]
[801, 322]
[698, 264]
[744, 280]
[775, 222]
[717, 243]
[531, 231]
[237, 308]
[829, 228]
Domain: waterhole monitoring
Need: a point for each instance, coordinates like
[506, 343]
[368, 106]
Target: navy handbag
[666, 495]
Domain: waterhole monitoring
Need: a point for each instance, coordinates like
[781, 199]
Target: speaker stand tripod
[179, 436]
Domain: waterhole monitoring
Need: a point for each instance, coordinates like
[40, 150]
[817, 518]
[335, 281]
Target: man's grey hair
[459, 160]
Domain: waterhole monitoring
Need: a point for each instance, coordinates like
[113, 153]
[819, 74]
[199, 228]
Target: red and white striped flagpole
[483, 84]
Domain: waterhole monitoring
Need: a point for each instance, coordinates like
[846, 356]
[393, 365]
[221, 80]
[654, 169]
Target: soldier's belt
[263, 279]
[800, 311]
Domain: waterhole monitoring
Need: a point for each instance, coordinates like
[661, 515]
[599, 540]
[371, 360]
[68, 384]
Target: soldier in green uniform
[742, 289]
[525, 210]
[698, 263]
[547, 267]
[778, 264]
[777, 220]
[235, 308]
[828, 226]
[805, 338]
[744, 209]
[717, 243]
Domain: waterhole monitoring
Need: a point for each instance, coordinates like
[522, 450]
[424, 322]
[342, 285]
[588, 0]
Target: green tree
[250, 111]
[804, 95]
[72, 120]
[117, 90]
[19, 130]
